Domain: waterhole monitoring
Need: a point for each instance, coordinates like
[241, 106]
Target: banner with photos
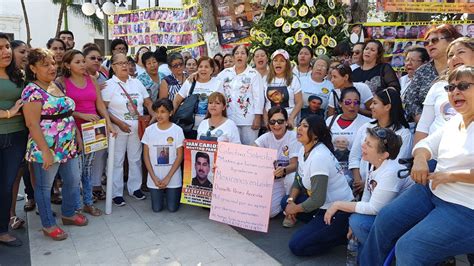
[427, 6]
[234, 19]
[158, 26]
[397, 37]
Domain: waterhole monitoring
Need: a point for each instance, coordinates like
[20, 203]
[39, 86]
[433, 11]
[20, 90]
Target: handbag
[143, 120]
[184, 116]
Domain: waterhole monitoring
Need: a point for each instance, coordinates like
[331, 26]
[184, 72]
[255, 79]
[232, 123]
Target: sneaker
[138, 194]
[119, 201]
[288, 223]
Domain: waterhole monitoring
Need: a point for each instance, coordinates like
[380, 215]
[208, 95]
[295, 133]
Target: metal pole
[110, 172]
[106, 35]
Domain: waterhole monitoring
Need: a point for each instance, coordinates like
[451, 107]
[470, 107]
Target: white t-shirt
[454, 150]
[163, 71]
[287, 147]
[244, 93]
[204, 89]
[365, 94]
[322, 89]
[354, 66]
[381, 187]
[120, 106]
[227, 132]
[302, 76]
[322, 162]
[163, 146]
[355, 157]
[277, 93]
[140, 70]
[437, 104]
[405, 81]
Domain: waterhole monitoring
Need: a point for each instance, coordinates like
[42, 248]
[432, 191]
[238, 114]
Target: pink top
[83, 97]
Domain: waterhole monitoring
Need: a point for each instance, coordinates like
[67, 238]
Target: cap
[281, 52]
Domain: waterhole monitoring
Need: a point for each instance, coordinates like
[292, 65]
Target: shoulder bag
[143, 120]
[184, 116]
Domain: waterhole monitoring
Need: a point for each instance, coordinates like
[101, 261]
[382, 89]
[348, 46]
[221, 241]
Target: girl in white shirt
[216, 126]
[380, 149]
[163, 154]
[282, 88]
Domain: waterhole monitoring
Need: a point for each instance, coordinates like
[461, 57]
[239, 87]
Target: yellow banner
[429, 6]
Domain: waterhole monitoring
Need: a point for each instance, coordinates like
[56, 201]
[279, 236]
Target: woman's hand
[48, 159]
[420, 170]
[164, 183]
[279, 172]
[349, 233]
[439, 178]
[156, 180]
[291, 209]
[257, 121]
[124, 127]
[89, 117]
[111, 130]
[291, 122]
[15, 110]
[358, 186]
[328, 216]
[192, 77]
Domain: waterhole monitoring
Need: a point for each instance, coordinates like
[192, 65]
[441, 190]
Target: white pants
[132, 145]
[247, 135]
[277, 194]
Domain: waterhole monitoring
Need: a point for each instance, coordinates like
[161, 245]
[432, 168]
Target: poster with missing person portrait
[198, 172]
[94, 136]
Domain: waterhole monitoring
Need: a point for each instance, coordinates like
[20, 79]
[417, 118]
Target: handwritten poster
[94, 136]
[198, 175]
[243, 184]
[428, 6]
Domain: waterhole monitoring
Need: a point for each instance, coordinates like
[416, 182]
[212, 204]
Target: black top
[380, 76]
[195, 182]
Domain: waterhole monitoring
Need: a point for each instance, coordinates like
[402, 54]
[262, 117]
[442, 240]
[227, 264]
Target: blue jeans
[12, 151]
[302, 216]
[86, 162]
[71, 175]
[316, 237]
[360, 225]
[428, 230]
[173, 196]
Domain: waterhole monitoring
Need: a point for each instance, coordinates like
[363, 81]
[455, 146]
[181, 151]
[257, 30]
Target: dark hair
[208, 59]
[227, 55]
[65, 32]
[260, 49]
[380, 50]
[130, 60]
[343, 70]
[52, 40]
[191, 58]
[400, 27]
[204, 155]
[16, 43]
[315, 97]
[165, 102]
[112, 61]
[146, 56]
[460, 72]
[174, 56]
[237, 47]
[34, 56]
[160, 54]
[217, 64]
[307, 48]
[67, 58]
[346, 91]
[447, 30]
[91, 44]
[13, 72]
[390, 143]
[137, 54]
[90, 49]
[391, 96]
[278, 110]
[116, 42]
[342, 49]
[318, 130]
[425, 57]
[218, 54]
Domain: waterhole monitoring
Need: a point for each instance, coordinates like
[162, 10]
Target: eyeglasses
[276, 121]
[462, 86]
[177, 65]
[121, 63]
[349, 102]
[434, 40]
[356, 52]
[94, 58]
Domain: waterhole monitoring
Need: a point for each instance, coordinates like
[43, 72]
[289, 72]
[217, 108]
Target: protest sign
[199, 157]
[428, 6]
[94, 136]
[243, 184]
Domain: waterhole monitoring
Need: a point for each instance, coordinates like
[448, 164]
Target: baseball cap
[281, 52]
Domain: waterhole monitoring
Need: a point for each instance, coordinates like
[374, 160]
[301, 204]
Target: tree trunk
[209, 28]
[60, 17]
[27, 23]
[359, 11]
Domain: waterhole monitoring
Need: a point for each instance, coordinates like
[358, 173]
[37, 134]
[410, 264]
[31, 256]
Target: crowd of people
[339, 124]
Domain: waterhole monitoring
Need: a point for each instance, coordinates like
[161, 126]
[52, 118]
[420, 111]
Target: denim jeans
[173, 196]
[86, 162]
[29, 191]
[12, 151]
[360, 225]
[302, 216]
[428, 230]
[71, 175]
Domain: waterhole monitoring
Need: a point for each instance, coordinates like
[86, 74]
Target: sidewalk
[133, 234]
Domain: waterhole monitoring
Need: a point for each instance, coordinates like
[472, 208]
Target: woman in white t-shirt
[282, 88]
[303, 69]
[205, 84]
[260, 61]
[343, 128]
[317, 84]
[124, 96]
[341, 79]
[319, 182]
[380, 149]
[216, 126]
[163, 154]
[282, 139]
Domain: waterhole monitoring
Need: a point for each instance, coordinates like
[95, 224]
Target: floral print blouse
[60, 134]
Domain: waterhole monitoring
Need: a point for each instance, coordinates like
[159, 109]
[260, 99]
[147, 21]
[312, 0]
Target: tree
[27, 24]
[293, 26]
[68, 5]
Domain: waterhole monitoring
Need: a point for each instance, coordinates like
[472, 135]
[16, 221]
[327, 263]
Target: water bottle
[352, 247]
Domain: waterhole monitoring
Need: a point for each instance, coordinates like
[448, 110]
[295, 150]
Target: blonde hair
[288, 73]
[219, 97]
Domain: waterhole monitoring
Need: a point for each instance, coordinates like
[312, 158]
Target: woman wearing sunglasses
[388, 112]
[380, 149]
[318, 183]
[171, 84]
[433, 219]
[282, 139]
[93, 59]
[437, 40]
[216, 126]
[436, 108]
[343, 127]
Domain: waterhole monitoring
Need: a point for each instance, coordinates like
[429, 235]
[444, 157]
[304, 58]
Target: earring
[34, 76]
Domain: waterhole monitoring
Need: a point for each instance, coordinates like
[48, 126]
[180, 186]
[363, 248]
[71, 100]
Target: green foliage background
[266, 24]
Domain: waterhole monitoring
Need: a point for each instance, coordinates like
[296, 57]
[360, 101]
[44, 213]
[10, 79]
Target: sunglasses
[177, 65]
[381, 133]
[434, 40]
[349, 102]
[277, 121]
[94, 58]
[462, 86]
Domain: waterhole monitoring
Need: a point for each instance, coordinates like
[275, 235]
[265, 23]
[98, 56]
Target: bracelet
[284, 170]
[289, 199]
[8, 114]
